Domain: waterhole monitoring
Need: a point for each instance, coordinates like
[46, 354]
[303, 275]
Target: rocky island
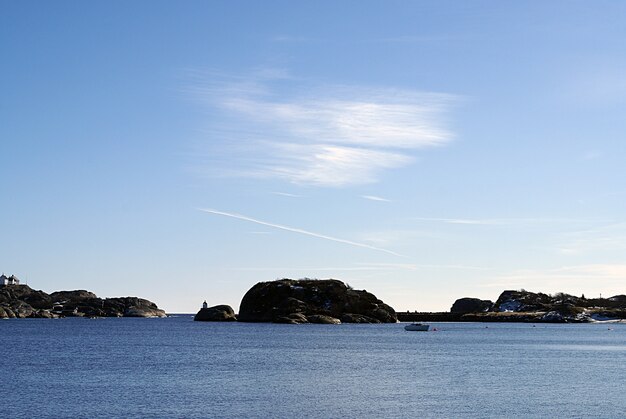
[21, 301]
[529, 307]
[221, 313]
[326, 301]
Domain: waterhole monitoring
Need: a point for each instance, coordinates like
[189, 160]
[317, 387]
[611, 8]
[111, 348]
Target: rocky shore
[324, 301]
[21, 301]
[221, 313]
[529, 307]
[330, 301]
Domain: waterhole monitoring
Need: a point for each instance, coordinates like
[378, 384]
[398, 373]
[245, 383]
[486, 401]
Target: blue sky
[424, 151]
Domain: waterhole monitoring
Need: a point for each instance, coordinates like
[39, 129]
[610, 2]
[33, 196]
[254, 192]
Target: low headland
[21, 301]
[528, 307]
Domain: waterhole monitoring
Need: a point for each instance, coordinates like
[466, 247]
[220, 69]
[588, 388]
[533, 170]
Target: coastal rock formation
[530, 307]
[312, 301]
[293, 318]
[21, 301]
[522, 301]
[471, 305]
[357, 318]
[76, 295]
[221, 313]
[322, 319]
[137, 307]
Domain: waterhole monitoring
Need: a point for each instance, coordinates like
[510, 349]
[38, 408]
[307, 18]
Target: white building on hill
[9, 280]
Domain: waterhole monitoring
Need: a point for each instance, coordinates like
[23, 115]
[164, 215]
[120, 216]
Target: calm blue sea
[175, 367]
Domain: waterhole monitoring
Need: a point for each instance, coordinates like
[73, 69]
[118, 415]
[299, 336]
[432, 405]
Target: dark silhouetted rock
[525, 306]
[618, 301]
[22, 301]
[293, 318]
[524, 301]
[357, 318]
[322, 319]
[22, 310]
[12, 294]
[3, 313]
[138, 307]
[282, 300]
[45, 314]
[143, 312]
[76, 295]
[221, 313]
[471, 305]
[553, 317]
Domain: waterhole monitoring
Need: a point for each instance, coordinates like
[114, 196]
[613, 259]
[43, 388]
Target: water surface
[175, 367]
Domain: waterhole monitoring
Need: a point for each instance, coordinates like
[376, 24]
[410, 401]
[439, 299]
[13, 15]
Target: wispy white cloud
[608, 237]
[571, 237]
[399, 237]
[308, 269]
[415, 267]
[320, 134]
[289, 195]
[382, 267]
[607, 278]
[328, 165]
[375, 198]
[364, 118]
[506, 221]
[460, 220]
[298, 230]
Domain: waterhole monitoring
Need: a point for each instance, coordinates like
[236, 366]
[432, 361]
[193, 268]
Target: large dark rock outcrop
[312, 301]
[221, 313]
[471, 305]
[522, 301]
[136, 307]
[22, 301]
[76, 295]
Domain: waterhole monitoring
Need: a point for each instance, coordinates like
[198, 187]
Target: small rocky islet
[21, 301]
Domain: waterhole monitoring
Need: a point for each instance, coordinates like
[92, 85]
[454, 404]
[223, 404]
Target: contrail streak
[298, 230]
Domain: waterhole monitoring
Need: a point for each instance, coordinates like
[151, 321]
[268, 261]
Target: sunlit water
[175, 367]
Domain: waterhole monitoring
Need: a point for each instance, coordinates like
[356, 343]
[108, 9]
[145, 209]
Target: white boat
[417, 327]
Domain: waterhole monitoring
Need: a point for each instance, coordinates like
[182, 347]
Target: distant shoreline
[513, 317]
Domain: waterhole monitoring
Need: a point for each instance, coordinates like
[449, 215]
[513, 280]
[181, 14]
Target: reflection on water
[586, 347]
